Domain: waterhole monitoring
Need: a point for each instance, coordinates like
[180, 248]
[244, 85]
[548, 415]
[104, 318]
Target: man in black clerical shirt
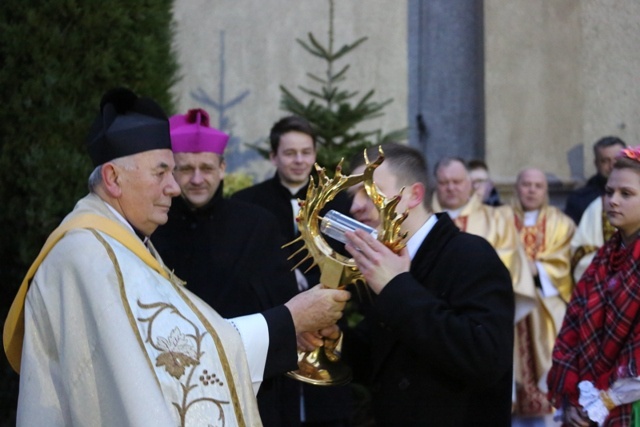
[293, 153]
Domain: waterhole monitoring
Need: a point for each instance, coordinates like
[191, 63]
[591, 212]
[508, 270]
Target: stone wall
[558, 74]
[235, 54]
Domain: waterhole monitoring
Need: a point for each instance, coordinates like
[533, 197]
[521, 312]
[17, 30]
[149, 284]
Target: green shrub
[58, 57]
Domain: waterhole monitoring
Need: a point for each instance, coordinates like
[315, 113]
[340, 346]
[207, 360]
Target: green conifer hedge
[57, 58]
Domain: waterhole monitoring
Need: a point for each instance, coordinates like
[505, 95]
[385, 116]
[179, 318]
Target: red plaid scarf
[600, 336]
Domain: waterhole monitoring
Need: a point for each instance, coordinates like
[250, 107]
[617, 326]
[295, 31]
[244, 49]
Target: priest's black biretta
[126, 125]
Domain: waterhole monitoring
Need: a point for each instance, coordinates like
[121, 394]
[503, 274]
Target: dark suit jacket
[229, 254]
[440, 337]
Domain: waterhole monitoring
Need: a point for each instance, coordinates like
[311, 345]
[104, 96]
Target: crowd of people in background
[495, 313]
[535, 241]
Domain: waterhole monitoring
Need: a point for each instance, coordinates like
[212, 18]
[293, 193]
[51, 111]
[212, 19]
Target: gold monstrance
[323, 365]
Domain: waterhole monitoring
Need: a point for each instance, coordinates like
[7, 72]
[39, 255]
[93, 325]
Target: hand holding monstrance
[322, 366]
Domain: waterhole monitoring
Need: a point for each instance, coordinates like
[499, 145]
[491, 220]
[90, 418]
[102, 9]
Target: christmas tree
[334, 111]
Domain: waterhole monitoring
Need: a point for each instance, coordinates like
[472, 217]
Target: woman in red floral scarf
[595, 377]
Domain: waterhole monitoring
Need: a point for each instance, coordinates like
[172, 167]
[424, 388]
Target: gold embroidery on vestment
[175, 357]
[533, 237]
[177, 354]
[125, 303]
[224, 361]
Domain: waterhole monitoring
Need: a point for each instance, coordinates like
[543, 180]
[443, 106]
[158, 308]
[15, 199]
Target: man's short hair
[477, 164]
[95, 178]
[446, 161]
[606, 142]
[290, 124]
[406, 163]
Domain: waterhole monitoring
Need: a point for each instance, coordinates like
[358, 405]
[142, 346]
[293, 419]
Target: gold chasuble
[489, 223]
[546, 236]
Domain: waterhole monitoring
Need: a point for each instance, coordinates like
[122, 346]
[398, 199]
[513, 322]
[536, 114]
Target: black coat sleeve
[282, 355]
[461, 318]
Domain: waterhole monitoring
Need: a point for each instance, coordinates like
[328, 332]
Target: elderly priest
[103, 333]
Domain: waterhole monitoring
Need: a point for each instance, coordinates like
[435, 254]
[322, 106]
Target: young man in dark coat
[438, 339]
[293, 153]
[229, 253]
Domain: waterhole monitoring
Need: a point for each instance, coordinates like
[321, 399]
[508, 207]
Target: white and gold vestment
[111, 341]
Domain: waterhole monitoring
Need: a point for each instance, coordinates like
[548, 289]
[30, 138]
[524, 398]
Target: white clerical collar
[118, 215]
[292, 190]
[416, 240]
[124, 221]
[454, 213]
[531, 217]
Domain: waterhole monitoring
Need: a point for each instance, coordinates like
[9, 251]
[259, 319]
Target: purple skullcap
[191, 133]
[126, 125]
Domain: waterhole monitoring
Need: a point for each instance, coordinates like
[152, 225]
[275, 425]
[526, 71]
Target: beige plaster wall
[559, 75]
[611, 66]
[260, 53]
